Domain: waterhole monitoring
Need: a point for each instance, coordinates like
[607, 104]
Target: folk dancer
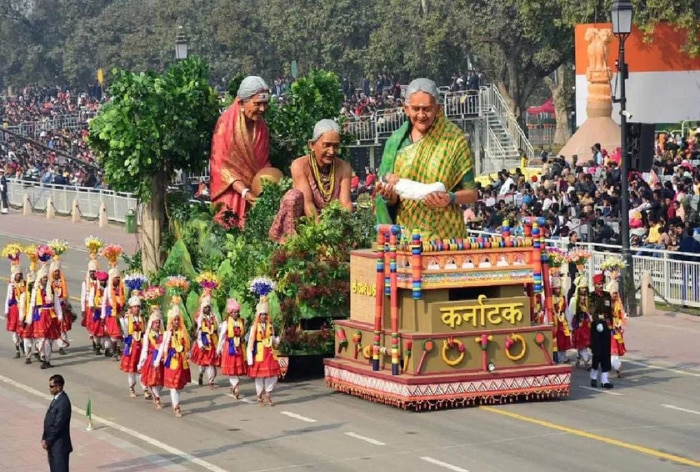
[151, 363]
[60, 290]
[175, 351]
[132, 346]
[204, 349]
[579, 319]
[27, 326]
[96, 318]
[46, 316]
[89, 290]
[562, 333]
[262, 359]
[601, 312]
[619, 321]
[113, 304]
[15, 288]
[232, 346]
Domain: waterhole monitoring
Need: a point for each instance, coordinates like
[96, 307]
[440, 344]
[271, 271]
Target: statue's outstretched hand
[438, 200]
[388, 192]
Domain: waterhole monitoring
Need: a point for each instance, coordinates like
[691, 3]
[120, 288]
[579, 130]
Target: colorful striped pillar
[417, 264]
[537, 259]
[394, 301]
[379, 301]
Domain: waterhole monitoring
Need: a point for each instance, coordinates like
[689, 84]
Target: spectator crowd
[43, 137]
[582, 201]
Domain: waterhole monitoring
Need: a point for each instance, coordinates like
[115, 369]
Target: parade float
[436, 324]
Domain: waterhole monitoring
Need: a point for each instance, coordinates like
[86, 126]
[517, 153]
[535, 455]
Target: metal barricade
[675, 276]
[117, 204]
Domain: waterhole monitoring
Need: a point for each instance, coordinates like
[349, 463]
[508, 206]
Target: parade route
[650, 421]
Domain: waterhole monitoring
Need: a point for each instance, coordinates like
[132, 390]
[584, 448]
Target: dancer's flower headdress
[208, 281]
[135, 282]
[13, 251]
[93, 245]
[30, 252]
[152, 295]
[111, 252]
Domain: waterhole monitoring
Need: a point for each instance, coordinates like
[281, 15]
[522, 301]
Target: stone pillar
[103, 215]
[648, 305]
[50, 209]
[26, 206]
[75, 212]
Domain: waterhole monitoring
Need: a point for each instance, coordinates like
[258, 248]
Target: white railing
[496, 157]
[498, 106]
[461, 105]
[117, 204]
[675, 275]
[369, 129]
[541, 136]
[494, 145]
[70, 121]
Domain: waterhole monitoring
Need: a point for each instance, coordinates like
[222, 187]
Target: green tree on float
[312, 97]
[155, 124]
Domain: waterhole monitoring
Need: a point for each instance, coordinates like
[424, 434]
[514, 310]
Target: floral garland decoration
[111, 252]
[135, 281]
[44, 253]
[59, 247]
[578, 256]
[262, 286]
[511, 341]
[12, 251]
[450, 344]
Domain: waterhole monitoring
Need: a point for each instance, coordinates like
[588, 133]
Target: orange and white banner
[663, 84]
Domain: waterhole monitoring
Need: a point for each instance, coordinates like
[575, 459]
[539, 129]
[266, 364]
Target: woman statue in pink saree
[240, 149]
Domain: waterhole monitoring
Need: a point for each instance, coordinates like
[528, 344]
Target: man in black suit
[56, 437]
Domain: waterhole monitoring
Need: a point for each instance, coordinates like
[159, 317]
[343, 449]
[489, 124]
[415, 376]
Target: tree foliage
[517, 42]
[522, 49]
[312, 97]
[155, 123]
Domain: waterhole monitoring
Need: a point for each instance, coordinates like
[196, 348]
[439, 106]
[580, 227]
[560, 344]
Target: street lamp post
[622, 27]
[181, 45]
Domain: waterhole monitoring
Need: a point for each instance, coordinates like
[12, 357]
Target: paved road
[649, 422]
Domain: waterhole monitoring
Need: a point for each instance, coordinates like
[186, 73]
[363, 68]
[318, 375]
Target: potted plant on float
[313, 273]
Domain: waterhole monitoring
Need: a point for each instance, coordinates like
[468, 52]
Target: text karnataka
[483, 314]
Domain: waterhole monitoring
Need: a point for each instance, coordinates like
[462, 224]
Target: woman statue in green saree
[428, 149]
